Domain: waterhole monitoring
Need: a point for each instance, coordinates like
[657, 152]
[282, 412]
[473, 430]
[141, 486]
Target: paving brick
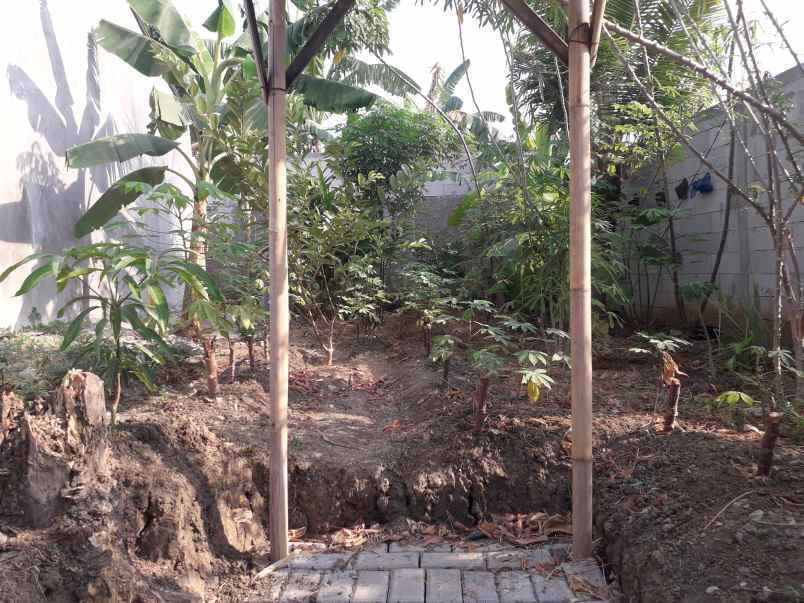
[320, 561]
[479, 546]
[418, 548]
[515, 587]
[479, 587]
[271, 590]
[301, 587]
[443, 586]
[386, 561]
[587, 569]
[337, 587]
[552, 590]
[516, 560]
[407, 586]
[378, 548]
[371, 587]
[453, 560]
[560, 551]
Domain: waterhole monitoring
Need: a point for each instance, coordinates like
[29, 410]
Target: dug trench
[181, 512]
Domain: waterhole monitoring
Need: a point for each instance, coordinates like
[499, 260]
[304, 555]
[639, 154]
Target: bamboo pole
[598, 10]
[580, 275]
[280, 314]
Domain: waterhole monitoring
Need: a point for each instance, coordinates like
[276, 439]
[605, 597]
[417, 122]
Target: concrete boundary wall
[748, 260]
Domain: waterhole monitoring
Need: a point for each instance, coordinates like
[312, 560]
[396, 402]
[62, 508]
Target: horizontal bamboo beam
[777, 116]
[316, 41]
[256, 49]
[539, 28]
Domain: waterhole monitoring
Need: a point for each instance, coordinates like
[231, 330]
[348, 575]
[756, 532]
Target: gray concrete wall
[58, 93]
[748, 260]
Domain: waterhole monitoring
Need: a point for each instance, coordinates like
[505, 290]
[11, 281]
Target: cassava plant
[661, 347]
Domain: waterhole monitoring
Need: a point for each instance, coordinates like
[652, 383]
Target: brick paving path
[436, 574]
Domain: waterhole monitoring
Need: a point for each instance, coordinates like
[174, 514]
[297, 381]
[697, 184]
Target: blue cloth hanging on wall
[702, 185]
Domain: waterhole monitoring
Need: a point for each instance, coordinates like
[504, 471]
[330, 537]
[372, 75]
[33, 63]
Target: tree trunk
[211, 365]
[765, 461]
[118, 395]
[232, 365]
[198, 244]
[252, 362]
[480, 402]
[724, 235]
[671, 412]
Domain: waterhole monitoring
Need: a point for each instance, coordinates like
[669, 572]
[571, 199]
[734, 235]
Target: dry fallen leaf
[579, 584]
[297, 533]
[394, 425]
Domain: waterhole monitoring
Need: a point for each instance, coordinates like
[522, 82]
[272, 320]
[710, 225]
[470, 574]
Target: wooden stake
[580, 276]
[280, 313]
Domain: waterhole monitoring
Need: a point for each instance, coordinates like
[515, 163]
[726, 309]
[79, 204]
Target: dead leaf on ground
[579, 584]
[394, 425]
[297, 533]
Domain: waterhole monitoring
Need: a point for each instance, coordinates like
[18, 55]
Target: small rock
[713, 590]
[756, 515]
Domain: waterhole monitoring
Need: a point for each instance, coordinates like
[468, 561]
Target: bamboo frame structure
[577, 54]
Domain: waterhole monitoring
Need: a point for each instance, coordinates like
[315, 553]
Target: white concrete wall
[748, 260]
[47, 107]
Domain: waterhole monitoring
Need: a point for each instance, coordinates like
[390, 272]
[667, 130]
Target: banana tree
[442, 93]
[198, 72]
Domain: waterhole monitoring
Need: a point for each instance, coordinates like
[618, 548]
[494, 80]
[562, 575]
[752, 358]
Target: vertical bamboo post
[280, 314]
[580, 275]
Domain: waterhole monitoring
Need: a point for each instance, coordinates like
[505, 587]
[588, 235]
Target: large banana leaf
[327, 95]
[359, 73]
[118, 196]
[222, 21]
[172, 27]
[448, 89]
[120, 147]
[138, 51]
[168, 115]
[453, 103]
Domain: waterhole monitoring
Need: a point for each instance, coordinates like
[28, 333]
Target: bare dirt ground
[377, 438]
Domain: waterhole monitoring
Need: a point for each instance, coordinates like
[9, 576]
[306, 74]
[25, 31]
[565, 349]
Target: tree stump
[81, 403]
[62, 454]
[10, 407]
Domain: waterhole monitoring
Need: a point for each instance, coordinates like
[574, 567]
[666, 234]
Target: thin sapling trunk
[211, 364]
[118, 395]
[232, 365]
[480, 402]
[765, 461]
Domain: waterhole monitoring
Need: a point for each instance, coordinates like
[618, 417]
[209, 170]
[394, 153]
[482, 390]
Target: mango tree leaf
[130, 314]
[120, 147]
[221, 21]
[142, 53]
[22, 262]
[328, 95]
[162, 15]
[75, 328]
[51, 268]
[119, 195]
[159, 302]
